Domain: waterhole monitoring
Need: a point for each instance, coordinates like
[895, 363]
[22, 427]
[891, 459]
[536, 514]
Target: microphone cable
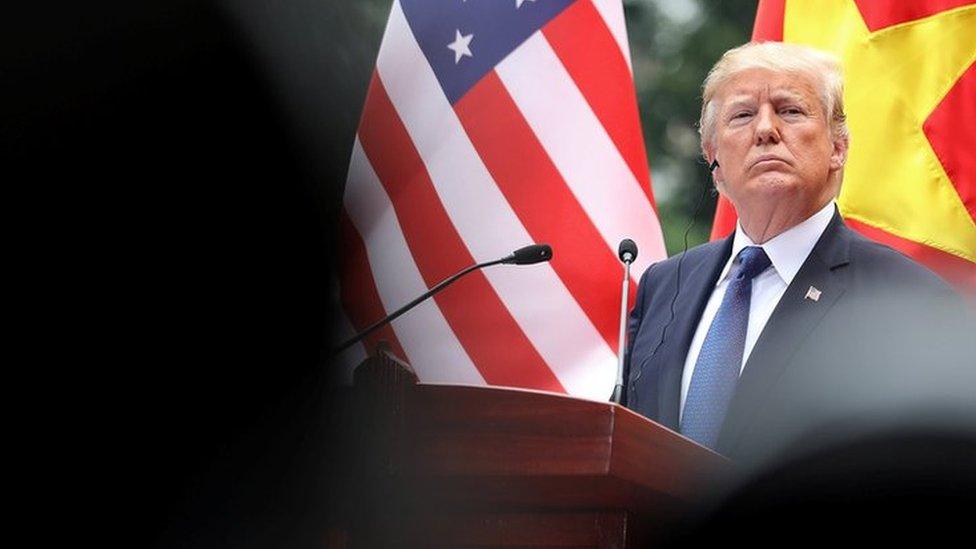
[677, 274]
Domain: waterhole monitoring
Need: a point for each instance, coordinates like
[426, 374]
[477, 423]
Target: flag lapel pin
[812, 294]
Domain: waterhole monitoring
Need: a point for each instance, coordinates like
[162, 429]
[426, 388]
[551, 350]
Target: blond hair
[824, 69]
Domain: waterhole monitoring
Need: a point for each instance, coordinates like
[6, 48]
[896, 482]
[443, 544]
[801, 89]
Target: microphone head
[627, 252]
[528, 255]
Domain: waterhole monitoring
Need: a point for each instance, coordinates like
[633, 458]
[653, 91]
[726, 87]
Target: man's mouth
[769, 159]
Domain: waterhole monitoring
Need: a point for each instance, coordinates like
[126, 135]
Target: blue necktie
[720, 360]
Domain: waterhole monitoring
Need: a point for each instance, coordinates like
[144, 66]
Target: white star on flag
[460, 46]
[518, 3]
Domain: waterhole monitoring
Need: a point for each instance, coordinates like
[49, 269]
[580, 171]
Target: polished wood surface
[525, 447]
[462, 466]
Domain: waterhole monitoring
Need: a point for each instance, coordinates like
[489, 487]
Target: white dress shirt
[787, 252]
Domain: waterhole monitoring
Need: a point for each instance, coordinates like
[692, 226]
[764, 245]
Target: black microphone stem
[396, 314]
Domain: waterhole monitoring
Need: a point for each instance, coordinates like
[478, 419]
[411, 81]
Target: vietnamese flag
[910, 98]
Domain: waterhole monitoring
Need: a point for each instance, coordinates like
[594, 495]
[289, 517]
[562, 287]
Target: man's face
[773, 143]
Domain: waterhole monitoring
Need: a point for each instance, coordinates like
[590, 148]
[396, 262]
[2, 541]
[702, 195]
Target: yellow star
[894, 79]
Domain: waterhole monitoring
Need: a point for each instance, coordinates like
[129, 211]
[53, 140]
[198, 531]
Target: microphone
[627, 252]
[713, 165]
[536, 253]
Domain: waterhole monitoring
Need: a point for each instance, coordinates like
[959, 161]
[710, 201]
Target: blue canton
[490, 30]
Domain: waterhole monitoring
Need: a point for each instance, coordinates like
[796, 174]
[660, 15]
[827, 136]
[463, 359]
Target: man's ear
[709, 151]
[838, 157]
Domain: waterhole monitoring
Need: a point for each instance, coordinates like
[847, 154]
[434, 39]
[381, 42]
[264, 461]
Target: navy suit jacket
[867, 318]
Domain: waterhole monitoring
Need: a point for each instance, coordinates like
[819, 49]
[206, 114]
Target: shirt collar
[788, 250]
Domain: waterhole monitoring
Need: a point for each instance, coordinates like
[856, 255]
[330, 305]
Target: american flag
[490, 125]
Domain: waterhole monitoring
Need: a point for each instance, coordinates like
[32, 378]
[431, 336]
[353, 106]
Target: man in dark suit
[746, 343]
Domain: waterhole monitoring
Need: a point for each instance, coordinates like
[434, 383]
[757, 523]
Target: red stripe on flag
[357, 290]
[951, 129]
[955, 270]
[583, 42]
[878, 14]
[769, 21]
[543, 202]
[484, 326]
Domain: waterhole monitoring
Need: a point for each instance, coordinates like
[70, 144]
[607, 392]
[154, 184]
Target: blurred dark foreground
[899, 486]
[189, 160]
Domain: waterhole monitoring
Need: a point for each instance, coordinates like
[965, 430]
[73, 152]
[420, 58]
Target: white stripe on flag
[586, 157]
[431, 346]
[612, 12]
[536, 297]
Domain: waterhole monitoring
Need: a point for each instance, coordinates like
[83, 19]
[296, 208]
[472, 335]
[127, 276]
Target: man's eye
[792, 110]
[741, 114]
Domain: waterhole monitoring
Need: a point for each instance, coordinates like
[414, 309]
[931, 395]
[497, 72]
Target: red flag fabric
[910, 96]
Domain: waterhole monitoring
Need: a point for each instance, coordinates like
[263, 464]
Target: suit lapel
[695, 290]
[792, 321]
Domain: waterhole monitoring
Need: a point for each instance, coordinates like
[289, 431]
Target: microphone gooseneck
[536, 253]
[627, 252]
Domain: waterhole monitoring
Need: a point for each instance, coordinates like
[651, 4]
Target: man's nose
[767, 130]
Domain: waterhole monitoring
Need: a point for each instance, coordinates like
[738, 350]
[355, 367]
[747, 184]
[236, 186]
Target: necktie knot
[752, 261]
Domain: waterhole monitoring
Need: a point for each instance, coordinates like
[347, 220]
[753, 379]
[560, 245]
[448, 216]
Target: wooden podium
[460, 466]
